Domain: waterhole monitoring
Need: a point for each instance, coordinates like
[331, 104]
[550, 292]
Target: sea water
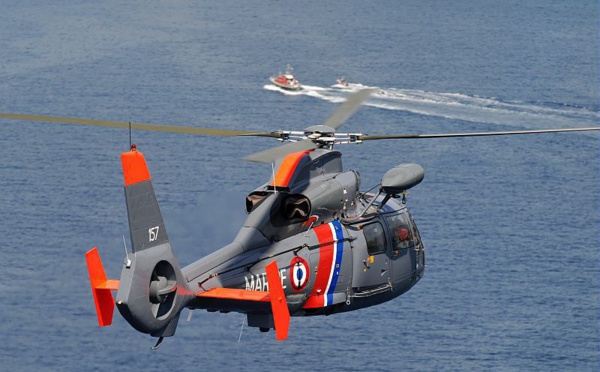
[511, 224]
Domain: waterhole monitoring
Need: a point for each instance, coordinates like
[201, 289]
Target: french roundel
[299, 278]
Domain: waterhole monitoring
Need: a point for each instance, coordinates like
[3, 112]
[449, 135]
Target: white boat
[341, 82]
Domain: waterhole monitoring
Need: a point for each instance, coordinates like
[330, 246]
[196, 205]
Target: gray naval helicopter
[312, 243]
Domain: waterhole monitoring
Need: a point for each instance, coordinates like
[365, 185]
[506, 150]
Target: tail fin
[152, 291]
[101, 287]
[281, 313]
[146, 224]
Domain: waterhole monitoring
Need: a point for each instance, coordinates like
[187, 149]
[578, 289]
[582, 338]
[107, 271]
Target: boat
[286, 81]
[342, 82]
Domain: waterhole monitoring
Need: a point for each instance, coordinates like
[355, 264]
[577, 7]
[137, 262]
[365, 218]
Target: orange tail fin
[281, 313]
[101, 287]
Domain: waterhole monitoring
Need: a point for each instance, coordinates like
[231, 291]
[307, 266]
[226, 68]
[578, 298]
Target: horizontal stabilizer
[249, 302]
[101, 287]
[236, 294]
[238, 300]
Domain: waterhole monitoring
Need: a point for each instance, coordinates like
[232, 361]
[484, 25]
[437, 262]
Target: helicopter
[312, 243]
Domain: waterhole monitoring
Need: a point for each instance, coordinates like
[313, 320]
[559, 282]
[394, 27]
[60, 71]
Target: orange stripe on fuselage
[287, 168]
[134, 167]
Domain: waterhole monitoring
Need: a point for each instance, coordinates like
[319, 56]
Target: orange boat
[286, 81]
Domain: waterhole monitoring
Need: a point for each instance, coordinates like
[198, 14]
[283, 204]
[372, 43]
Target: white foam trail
[461, 106]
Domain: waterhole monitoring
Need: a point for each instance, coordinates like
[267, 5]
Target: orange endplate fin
[281, 313]
[101, 287]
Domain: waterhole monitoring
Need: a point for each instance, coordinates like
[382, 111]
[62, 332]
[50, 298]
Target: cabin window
[375, 237]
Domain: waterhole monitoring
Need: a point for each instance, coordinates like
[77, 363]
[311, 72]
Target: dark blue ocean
[511, 224]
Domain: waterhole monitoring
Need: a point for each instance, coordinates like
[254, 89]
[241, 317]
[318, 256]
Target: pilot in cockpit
[401, 238]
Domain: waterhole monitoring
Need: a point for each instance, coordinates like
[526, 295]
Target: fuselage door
[371, 257]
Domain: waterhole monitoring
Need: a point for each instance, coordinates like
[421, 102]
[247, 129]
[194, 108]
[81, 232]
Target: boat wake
[461, 106]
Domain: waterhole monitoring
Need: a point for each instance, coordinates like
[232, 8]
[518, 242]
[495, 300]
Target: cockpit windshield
[403, 231]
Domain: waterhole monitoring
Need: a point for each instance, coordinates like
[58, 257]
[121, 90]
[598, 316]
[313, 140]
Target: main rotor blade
[139, 126]
[474, 134]
[348, 108]
[271, 154]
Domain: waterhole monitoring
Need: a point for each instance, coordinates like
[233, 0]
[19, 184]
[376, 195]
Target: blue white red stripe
[338, 252]
[331, 252]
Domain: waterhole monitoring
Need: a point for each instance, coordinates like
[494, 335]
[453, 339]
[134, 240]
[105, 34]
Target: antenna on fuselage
[241, 329]
[127, 260]
[274, 183]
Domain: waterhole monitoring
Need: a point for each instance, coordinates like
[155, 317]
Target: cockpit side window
[375, 237]
[401, 230]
